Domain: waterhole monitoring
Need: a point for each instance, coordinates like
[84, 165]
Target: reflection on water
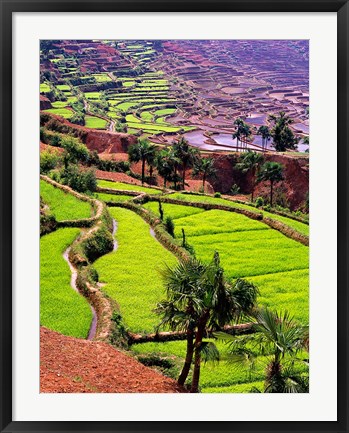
[226, 142]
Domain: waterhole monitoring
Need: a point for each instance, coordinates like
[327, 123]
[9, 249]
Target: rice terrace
[174, 216]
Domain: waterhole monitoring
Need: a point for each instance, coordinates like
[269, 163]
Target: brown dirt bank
[296, 173]
[71, 365]
[101, 141]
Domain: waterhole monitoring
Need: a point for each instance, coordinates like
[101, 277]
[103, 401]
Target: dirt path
[71, 365]
[74, 275]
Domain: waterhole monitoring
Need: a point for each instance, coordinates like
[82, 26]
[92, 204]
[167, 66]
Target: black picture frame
[10, 7]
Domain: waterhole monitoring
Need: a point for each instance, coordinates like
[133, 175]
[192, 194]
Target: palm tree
[265, 133]
[272, 172]
[142, 151]
[239, 131]
[186, 154]
[204, 166]
[246, 133]
[165, 164]
[283, 137]
[199, 299]
[251, 162]
[279, 337]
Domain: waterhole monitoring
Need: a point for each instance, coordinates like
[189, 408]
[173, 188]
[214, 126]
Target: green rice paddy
[197, 198]
[131, 273]
[126, 187]
[63, 112]
[221, 377]
[62, 205]
[61, 308]
[95, 122]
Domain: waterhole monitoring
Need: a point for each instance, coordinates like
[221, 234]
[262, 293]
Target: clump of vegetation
[200, 298]
[259, 202]
[217, 195]
[81, 180]
[250, 162]
[279, 335]
[169, 225]
[272, 172]
[49, 160]
[235, 189]
[283, 137]
[97, 245]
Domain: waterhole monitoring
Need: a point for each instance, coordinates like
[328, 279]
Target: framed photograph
[174, 216]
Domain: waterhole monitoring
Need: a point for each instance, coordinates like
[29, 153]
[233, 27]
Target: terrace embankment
[69, 365]
[295, 186]
[101, 141]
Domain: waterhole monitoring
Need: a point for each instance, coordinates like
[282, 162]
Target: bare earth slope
[70, 365]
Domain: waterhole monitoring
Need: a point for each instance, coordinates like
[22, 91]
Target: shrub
[161, 211]
[79, 180]
[97, 245]
[78, 118]
[48, 161]
[48, 224]
[87, 274]
[217, 194]
[259, 202]
[235, 189]
[169, 225]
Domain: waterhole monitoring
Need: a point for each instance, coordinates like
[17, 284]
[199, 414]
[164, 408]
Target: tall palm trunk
[143, 169]
[183, 174]
[253, 183]
[175, 177]
[197, 359]
[197, 353]
[188, 358]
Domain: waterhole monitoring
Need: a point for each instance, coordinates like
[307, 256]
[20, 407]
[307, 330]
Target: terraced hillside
[160, 89]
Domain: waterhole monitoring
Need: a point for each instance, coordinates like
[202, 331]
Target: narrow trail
[74, 275]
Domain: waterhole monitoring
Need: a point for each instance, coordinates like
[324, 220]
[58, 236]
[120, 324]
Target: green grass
[128, 83]
[124, 106]
[217, 221]
[62, 104]
[131, 273]
[63, 87]
[44, 88]
[126, 187]
[114, 198]
[63, 112]
[92, 95]
[95, 122]
[152, 127]
[132, 118]
[165, 112]
[250, 249]
[146, 116]
[61, 308]
[101, 78]
[296, 225]
[64, 206]
[173, 210]
[219, 377]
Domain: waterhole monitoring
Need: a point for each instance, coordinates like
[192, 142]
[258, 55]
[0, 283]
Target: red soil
[101, 141]
[44, 146]
[117, 177]
[70, 365]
